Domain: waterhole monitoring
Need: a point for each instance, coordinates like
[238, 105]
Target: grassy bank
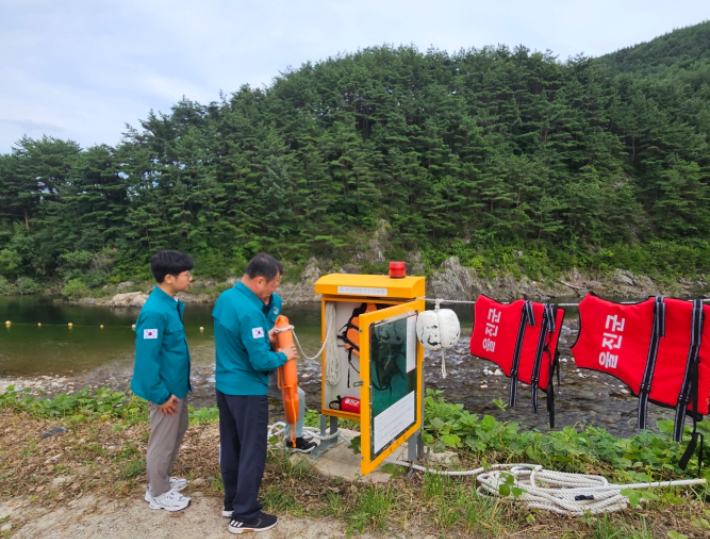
[103, 453]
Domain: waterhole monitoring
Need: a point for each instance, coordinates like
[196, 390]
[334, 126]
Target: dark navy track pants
[243, 426]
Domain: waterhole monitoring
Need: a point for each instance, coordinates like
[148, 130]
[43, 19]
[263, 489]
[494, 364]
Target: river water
[27, 349]
[86, 354]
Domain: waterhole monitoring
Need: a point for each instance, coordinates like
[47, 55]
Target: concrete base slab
[341, 461]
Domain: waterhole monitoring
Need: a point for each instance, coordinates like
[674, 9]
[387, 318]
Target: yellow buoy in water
[70, 325]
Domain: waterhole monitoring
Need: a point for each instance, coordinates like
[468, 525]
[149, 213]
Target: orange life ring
[288, 377]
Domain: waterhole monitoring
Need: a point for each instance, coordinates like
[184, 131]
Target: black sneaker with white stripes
[259, 524]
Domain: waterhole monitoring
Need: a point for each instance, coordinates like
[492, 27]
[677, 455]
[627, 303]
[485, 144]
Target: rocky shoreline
[582, 398]
[450, 281]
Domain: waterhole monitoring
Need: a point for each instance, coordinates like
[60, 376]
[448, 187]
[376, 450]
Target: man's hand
[290, 351]
[273, 338]
[169, 407]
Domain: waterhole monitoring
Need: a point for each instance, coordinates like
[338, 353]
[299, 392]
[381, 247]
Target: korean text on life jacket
[493, 319]
[612, 339]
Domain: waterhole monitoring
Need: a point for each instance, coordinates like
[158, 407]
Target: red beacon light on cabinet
[398, 270]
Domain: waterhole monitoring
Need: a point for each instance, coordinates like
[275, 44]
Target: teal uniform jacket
[162, 366]
[273, 309]
[241, 334]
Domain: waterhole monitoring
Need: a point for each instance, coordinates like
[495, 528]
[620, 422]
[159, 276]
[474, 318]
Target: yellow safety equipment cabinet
[372, 361]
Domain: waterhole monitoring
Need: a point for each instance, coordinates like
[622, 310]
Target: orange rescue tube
[288, 377]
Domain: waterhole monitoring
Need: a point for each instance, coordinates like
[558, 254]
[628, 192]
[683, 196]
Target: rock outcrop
[303, 289]
[453, 281]
[130, 299]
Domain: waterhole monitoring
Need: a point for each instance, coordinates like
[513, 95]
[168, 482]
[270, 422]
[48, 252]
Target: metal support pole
[415, 443]
[322, 425]
[324, 445]
[333, 424]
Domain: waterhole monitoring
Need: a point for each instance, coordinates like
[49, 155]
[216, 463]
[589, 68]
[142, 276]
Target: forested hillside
[681, 49]
[510, 159]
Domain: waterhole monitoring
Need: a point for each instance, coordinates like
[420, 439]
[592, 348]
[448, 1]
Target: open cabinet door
[391, 372]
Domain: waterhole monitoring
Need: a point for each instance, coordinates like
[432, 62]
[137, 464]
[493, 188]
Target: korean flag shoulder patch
[150, 333]
[257, 333]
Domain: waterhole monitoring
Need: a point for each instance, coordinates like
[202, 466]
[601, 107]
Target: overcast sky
[81, 70]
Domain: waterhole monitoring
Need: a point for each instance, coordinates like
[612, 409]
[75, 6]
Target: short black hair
[173, 263]
[263, 265]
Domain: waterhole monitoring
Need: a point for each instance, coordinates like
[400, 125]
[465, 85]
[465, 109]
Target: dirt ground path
[93, 518]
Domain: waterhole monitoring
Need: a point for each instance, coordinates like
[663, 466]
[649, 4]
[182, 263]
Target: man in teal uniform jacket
[161, 375]
[244, 362]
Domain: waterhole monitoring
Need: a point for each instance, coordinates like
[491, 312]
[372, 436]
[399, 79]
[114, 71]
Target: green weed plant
[648, 456]
[80, 406]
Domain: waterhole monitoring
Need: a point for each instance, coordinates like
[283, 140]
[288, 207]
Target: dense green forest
[503, 157]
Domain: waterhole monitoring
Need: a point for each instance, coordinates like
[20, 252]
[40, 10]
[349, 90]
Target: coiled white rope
[332, 364]
[277, 429]
[560, 492]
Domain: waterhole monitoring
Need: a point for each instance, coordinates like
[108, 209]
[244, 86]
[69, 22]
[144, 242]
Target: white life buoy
[437, 330]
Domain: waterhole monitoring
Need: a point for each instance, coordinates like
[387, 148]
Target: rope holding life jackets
[521, 338]
[287, 376]
[437, 330]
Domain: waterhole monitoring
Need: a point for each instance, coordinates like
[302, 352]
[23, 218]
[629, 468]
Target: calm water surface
[28, 350]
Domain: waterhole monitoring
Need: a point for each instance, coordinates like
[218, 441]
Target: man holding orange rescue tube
[244, 362]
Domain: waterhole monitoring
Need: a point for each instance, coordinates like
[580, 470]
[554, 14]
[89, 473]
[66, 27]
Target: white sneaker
[170, 501]
[177, 484]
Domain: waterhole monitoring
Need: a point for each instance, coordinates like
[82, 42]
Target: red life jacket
[660, 348]
[520, 337]
[614, 338]
[683, 365]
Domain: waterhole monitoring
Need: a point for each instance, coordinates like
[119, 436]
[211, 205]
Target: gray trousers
[275, 392]
[166, 434]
